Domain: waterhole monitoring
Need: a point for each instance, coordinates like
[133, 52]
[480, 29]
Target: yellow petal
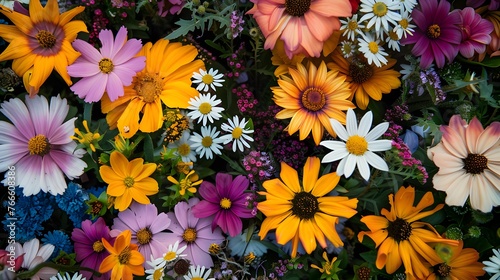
[326, 184]
[287, 229]
[290, 177]
[311, 172]
[306, 235]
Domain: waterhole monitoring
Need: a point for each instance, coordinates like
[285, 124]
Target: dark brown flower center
[360, 72]
[434, 31]
[305, 205]
[144, 236]
[124, 256]
[442, 270]
[475, 164]
[45, 39]
[297, 8]
[39, 145]
[313, 99]
[96, 207]
[399, 230]
[364, 273]
[181, 267]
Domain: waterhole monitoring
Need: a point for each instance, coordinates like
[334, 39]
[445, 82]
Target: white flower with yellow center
[173, 253]
[405, 26]
[184, 148]
[207, 80]
[237, 133]
[347, 48]
[379, 13]
[156, 271]
[371, 49]
[207, 143]
[198, 273]
[357, 146]
[351, 27]
[204, 107]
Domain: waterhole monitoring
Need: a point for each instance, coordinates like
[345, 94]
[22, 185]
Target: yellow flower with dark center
[41, 42]
[401, 238]
[311, 97]
[128, 181]
[457, 263]
[304, 212]
[165, 79]
[124, 259]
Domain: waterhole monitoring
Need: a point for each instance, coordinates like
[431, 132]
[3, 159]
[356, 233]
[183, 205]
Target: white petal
[335, 155]
[376, 161]
[377, 131]
[332, 145]
[30, 249]
[365, 124]
[363, 167]
[351, 123]
[339, 129]
[379, 145]
[349, 165]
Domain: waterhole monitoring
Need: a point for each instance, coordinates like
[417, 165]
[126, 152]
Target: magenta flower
[170, 6]
[475, 33]
[437, 35]
[89, 250]
[108, 70]
[193, 232]
[225, 201]
[38, 144]
[147, 227]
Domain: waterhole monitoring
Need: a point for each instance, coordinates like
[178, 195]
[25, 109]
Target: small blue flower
[72, 201]
[60, 240]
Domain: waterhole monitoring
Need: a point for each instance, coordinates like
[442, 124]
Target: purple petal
[120, 39]
[126, 220]
[205, 209]
[88, 51]
[61, 134]
[81, 69]
[208, 192]
[466, 49]
[59, 109]
[238, 187]
[91, 88]
[128, 51]
[67, 163]
[38, 107]
[107, 40]
[182, 214]
[161, 223]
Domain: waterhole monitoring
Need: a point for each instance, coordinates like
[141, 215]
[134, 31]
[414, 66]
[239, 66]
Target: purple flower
[170, 6]
[193, 232]
[38, 144]
[146, 226]
[437, 35]
[475, 33]
[225, 201]
[108, 70]
[89, 249]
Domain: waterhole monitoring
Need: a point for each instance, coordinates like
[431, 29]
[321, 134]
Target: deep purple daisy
[89, 249]
[475, 33]
[437, 35]
[225, 201]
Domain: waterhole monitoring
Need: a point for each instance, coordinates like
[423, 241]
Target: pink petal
[83, 69]
[108, 42]
[88, 52]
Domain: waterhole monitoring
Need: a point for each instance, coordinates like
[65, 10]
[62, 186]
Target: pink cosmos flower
[225, 201]
[38, 144]
[303, 27]
[89, 250]
[193, 232]
[108, 70]
[475, 33]
[468, 158]
[438, 34]
[147, 227]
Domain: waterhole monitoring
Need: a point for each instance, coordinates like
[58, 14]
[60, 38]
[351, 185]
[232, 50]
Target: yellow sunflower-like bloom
[306, 212]
[41, 42]
[401, 238]
[311, 97]
[128, 181]
[457, 263]
[165, 79]
[366, 81]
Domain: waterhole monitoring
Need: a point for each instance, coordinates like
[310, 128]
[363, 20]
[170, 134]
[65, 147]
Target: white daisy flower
[156, 272]
[357, 146]
[184, 148]
[204, 107]
[405, 26]
[198, 273]
[372, 50]
[238, 133]
[379, 13]
[493, 265]
[407, 71]
[347, 48]
[207, 143]
[351, 27]
[207, 80]
[392, 40]
[407, 5]
[67, 276]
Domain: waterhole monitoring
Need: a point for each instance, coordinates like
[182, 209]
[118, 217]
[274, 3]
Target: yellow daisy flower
[41, 42]
[165, 79]
[304, 212]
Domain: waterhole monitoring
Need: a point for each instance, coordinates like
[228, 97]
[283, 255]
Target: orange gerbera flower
[457, 263]
[41, 42]
[401, 238]
[165, 79]
[124, 259]
[366, 81]
[310, 97]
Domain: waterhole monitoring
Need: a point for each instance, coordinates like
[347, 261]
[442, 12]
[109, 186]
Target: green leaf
[148, 149]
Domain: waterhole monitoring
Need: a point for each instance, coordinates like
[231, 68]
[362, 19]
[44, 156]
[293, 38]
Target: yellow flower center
[404, 23]
[305, 205]
[297, 8]
[189, 235]
[205, 108]
[373, 47]
[356, 145]
[184, 149]
[144, 236]
[124, 256]
[149, 87]
[225, 203]
[237, 132]
[360, 72]
[399, 230]
[380, 9]
[170, 256]
[106, 65]
[197, 278]
[434, 31]
[46, 39]
[97, 246]
[442, 270]
[206, 141]
[393, 35]
[313, 99]
[157, 274]
[475, 164]
[207, 79]
[214, 249]
[249, 258]
[352, 25]
[128, 181]
[39, 145]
